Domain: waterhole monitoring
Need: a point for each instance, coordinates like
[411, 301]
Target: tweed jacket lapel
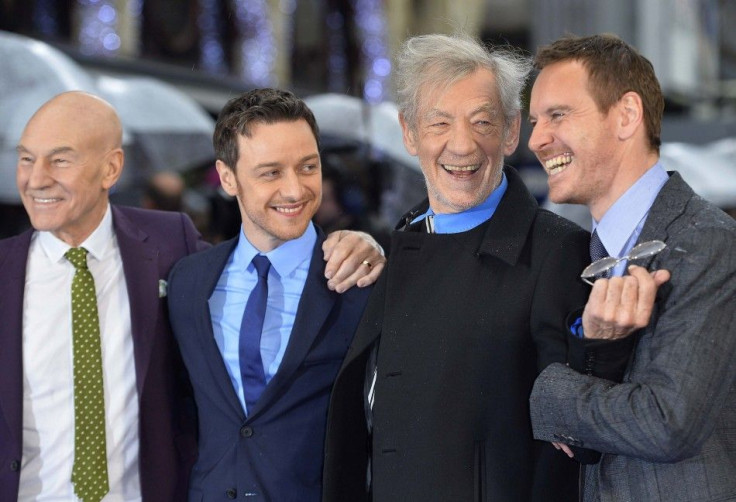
[668, 206]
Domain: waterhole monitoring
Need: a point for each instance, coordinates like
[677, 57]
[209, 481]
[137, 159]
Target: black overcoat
[464, 323]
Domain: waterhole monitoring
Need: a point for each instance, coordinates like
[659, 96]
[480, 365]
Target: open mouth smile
[558, 163]
[290, 210]
[461, 169]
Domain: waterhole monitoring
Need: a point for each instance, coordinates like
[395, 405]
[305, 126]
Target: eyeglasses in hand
[599, 267]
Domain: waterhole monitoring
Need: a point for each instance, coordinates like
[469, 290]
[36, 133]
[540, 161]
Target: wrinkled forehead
[480, 93]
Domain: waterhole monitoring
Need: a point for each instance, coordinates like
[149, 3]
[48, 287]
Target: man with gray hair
[431, 402]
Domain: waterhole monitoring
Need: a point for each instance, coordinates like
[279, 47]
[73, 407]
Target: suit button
[246, 431]
[231, 493]
[14, 465]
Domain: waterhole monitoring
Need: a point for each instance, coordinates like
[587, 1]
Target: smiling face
[68, 158]
[576, 143]
[277, 181]
[461, 139]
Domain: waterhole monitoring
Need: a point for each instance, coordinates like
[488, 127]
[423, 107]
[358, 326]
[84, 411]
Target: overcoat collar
[513, 218]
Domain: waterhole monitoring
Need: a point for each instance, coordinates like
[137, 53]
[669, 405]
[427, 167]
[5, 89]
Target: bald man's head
[69, 156]
[91, 115]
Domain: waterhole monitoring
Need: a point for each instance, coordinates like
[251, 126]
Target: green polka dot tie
[89, 473]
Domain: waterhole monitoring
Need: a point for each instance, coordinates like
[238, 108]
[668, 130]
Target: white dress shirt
[48, 390]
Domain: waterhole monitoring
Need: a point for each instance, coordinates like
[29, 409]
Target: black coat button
[231, 493]
[14, 465]
[246, 431]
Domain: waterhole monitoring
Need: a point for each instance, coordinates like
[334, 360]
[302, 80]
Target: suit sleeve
[602, 358]
[670, 402]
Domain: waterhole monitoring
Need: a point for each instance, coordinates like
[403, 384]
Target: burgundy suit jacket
[150, 243]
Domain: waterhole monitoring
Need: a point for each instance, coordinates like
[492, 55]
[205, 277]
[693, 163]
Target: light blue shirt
[454, 223]
[286, 278]
[620, 227]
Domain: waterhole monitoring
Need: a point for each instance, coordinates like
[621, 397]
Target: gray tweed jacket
[668, 432]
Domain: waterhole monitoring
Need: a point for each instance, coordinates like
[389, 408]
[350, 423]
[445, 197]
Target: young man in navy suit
[262, 387]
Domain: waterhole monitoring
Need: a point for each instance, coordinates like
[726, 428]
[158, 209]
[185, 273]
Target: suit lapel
[140, 266]
[315, 305]
[668, 206]
[216, 259]
[13, 273]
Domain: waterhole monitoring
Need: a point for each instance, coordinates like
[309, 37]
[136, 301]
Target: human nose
[539, 138]
[291, 186]
[461, 140]
[36, 173]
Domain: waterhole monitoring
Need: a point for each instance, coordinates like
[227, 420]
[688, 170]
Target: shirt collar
[622, 220]
[97, 244]
[285, 258]
[453, 223]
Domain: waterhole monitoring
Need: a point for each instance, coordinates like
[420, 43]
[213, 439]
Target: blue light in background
[257, 42]
[211, 52]
[371, 23]
[44, 18]
[98, 25]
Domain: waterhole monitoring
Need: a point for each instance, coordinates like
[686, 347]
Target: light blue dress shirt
[454, 223]
[286, 278]
[620, 227]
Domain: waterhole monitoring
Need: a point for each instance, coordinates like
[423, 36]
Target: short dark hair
[614, 68]
[259, 106]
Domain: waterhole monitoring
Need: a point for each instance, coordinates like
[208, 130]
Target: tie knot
[77, 257]
[262, 265]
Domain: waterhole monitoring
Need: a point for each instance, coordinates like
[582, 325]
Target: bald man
[69, 156]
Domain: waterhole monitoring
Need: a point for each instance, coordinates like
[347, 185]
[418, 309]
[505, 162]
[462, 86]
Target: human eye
[310, 168]
[556, 115]
[484, 125]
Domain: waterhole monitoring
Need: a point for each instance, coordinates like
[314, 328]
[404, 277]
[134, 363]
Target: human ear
[408, 134]
[227, 178]
[113, 166]
[630, 114]
[511, 135]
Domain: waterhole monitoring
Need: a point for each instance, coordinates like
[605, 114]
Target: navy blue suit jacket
[275, 453]
[150, 243]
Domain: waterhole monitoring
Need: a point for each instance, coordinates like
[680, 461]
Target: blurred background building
[170, 65]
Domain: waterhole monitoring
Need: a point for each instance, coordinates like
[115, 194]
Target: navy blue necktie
[249, 348]
[598, 251]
